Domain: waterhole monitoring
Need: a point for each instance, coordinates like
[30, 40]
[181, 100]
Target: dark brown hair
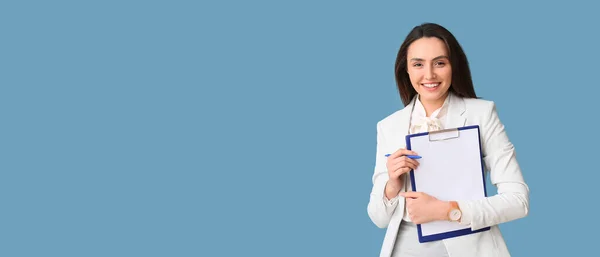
[462, 84]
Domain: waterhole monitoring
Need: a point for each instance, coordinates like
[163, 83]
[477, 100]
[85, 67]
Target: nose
[429, 73]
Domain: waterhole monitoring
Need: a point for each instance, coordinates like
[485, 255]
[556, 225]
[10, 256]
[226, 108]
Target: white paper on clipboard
[450, 169]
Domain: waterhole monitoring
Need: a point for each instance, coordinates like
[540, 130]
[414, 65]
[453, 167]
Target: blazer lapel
[398, 129]
[405, 118]
[456, 109]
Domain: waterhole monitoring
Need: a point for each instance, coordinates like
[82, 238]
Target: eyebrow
[436, 58]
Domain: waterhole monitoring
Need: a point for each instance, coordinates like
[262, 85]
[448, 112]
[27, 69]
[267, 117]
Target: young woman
[435, 85]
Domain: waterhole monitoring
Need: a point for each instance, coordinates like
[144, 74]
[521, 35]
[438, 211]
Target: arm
[512, 200]
[381, 208]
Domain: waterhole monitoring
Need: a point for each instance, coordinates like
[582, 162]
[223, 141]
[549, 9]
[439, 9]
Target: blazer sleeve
[380, 209]
[512, 200]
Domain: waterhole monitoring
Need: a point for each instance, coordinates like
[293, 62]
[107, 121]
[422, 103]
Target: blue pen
[409, 156]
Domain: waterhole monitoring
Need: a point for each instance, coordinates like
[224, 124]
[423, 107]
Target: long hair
[462, 84]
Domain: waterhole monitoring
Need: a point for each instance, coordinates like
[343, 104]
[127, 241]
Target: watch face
[455, 214]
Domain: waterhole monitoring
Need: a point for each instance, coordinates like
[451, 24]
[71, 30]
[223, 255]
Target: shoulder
[394, 118]
[482, 112]
[479, 107]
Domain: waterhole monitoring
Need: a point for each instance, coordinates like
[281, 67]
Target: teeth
[431, 85]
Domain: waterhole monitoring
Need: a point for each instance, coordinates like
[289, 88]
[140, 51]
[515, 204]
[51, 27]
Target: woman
[434, 81]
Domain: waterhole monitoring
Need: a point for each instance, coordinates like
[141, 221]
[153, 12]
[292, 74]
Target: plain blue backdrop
[247, 128]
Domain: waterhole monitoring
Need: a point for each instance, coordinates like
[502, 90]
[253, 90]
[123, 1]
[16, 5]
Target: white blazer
[511, 202]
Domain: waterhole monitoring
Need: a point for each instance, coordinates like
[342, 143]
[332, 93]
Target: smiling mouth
[431, 85]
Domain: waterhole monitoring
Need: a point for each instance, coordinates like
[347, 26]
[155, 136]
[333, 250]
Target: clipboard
[451, 169]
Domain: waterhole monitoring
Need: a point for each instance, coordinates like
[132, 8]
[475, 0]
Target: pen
[409, 156]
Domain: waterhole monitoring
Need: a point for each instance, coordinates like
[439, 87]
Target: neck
[431, 106]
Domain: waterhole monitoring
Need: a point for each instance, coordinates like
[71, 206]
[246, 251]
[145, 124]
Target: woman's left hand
[423, 208]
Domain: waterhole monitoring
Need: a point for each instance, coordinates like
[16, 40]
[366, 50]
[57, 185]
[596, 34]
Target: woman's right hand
[398, 164]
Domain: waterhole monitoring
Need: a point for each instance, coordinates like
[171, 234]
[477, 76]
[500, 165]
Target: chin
[432, 96]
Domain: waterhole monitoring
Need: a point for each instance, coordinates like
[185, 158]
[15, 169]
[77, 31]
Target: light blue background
[247, 128]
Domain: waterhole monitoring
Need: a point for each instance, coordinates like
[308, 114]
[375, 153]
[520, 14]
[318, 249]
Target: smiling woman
[429, 70]
[430, 53]
[435, 85]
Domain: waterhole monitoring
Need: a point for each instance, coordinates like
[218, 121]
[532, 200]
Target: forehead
[427, 48]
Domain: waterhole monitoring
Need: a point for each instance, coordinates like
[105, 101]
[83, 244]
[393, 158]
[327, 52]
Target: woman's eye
[440, 63]
[417, 65]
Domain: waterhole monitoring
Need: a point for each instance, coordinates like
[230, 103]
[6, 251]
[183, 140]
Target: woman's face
[429, 69]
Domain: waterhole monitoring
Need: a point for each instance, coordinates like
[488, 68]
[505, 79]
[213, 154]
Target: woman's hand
[398, 164]
[423, 208]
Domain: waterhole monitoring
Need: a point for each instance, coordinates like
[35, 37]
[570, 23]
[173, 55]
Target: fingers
[411, 210]
[398, 172]
[401, 152]
[399, 164]
[401, 169]
[403, 162]
[409, 162]
[411, 194]
[416, 219]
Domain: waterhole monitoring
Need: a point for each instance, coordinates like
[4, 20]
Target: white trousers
[408, 245]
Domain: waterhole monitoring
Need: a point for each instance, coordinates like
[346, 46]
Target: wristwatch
[454, 214]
